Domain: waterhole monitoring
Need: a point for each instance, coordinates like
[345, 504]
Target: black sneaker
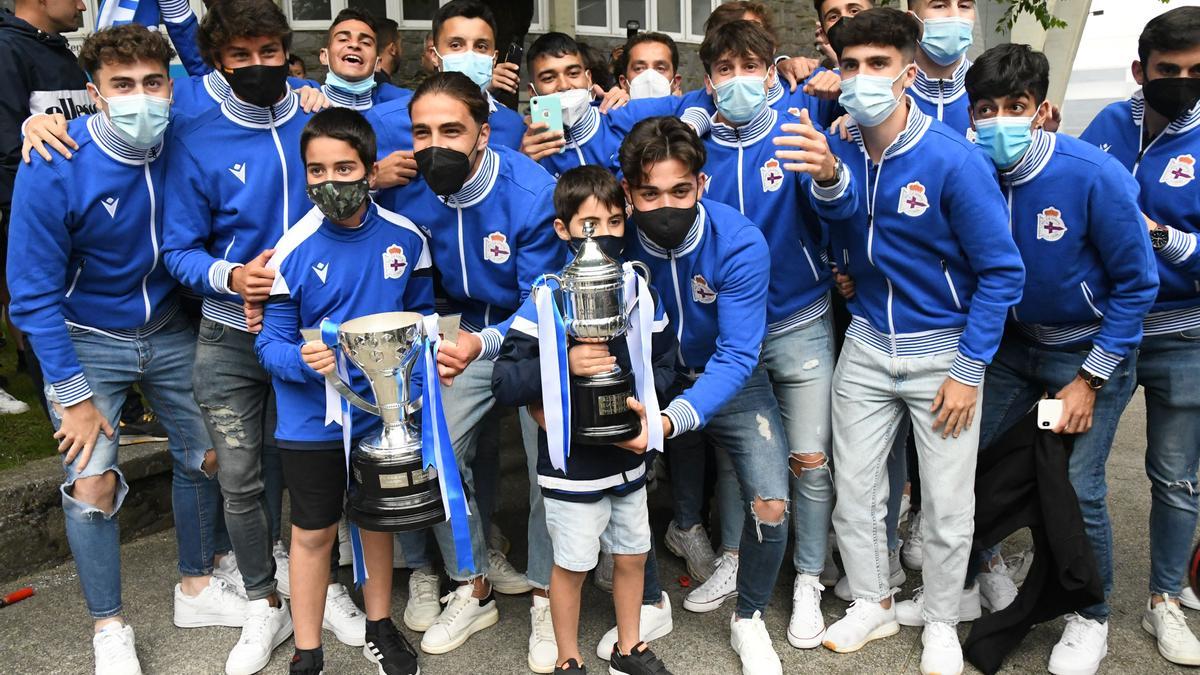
[144, 429]
[639, 661]
[388, 649]
[571, 667]
[306, 662]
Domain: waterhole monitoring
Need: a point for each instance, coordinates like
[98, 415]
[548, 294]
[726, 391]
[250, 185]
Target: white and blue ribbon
[329, 335]
[555, 371]
[639, 339]
[438, 452]
[116, 13]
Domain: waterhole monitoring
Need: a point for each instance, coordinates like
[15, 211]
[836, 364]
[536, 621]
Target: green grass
[27, 436]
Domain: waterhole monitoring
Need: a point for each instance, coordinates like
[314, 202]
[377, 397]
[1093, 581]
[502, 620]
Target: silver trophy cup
[394, 492]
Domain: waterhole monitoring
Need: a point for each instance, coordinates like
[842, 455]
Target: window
[410, 14]
[681, 19]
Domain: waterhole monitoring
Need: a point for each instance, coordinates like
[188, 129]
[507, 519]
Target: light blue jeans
[800, 364]
[161, 364]
[871, 393]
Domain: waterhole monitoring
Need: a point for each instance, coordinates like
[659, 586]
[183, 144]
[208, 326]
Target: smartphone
[548, 110]
[515, 53]
[1050, 411]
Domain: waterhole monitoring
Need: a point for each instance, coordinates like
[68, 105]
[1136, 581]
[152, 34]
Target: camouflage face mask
[338, 200]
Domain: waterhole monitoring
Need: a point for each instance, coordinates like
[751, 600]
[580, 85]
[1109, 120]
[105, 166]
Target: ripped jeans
[800, 364]
[161, 364]
[751, 431]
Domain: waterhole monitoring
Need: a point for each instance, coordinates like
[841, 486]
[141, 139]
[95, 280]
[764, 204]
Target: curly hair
[228, 20]
[124, 44]
[658, 139]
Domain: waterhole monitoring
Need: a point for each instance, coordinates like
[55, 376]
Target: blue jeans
[688, 460]
[1020, 374]
[751, 431]
[161, 363]
[1168, 366]
[800, 364]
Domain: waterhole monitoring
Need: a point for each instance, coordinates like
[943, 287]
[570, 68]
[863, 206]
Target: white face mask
[575, 104]
[649, 84]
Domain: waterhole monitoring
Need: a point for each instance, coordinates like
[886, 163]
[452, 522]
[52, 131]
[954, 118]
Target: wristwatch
[1159, 237]
[1095, 382]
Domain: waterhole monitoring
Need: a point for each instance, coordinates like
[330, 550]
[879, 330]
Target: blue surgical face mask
[740, 98]
[1006, 139]
[946, 40]
[869, 98]
[363, 86]
[139, 118]
[474, 65]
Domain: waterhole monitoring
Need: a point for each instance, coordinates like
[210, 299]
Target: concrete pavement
[50, 632]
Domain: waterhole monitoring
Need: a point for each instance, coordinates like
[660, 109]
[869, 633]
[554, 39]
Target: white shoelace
[456, 602]
[695, 543]
[1077, 632]
[499, 564]
[255, 627]
[543, 628]
[341, 602]
[115, 646]
[1174, 622]
[423, 587]
[225, 592]
[941, 635]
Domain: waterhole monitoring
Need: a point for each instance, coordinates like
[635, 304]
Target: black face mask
[444, 169]
[666, 226]
[1172, 97]
[339, 199]
[258, 85]
[612, 246]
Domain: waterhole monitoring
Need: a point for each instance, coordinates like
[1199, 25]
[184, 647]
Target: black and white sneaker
[639, 661]
[307, 662]
[571, 667]
[389, 650]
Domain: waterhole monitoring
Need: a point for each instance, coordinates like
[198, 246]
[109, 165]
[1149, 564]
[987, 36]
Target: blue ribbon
[329, 335]
[555, 373]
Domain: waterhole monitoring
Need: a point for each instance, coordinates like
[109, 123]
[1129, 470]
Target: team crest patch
[913, 200]
[1050, 225]
[495, 248]
[772, 175]
[701, 291]
[394, 262]
[1180, 171]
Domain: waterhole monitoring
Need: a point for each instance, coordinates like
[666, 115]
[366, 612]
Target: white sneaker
[830, 574]
[1083, 645]
[749, 638]
[1187, 598]
[497, 540]
[227, 570]
[345, 550]
[912, 552]
[11, 405]
[864, 621]
[996, 588]
[1176, 643]
[343, 618]
[655, 623]
[721, 586]
[463, 617]
[423, 607]
[602, 576]
[910, 612]
[896, 578]
[543, 649]
[694, 547]
[942, 655]
[265, 629]
[807, 626]
[504, 577]
[217, 605]
[115, 651]
[283, 580]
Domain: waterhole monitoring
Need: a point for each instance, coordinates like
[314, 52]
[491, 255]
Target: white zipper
[891, 320]
[462, 256]
[283, 168]
[230, 246]
[950, 283]
[487, 315]
[845, 261]
[1010, 211]
[153, 241]
[741, 197]
[75, 280]
[813, 267]
[1087, 297]
[679, 305]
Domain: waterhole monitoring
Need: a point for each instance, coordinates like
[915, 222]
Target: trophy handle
[556, 278]
[639, 266]
[347, 393]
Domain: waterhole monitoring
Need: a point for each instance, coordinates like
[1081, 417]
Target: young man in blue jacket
[351, 55]
[947, 32]
[712, 267]
[1156, 135]
[936, 272]
[798, 352]
[237, 185]
[1090, 280]
[92, 296]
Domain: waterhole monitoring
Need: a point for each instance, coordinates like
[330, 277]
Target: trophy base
[600, 414]
[393, 492]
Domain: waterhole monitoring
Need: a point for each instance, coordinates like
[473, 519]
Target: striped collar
[585, 128]
[479, 185]
[775, 92]
[1137, 107]
[217, 86]
[1034, 161]
[690, 242]
[936, 90]
[253, 117]
[758, 128]
[914, 130]
[345, 99]
[116, 147]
